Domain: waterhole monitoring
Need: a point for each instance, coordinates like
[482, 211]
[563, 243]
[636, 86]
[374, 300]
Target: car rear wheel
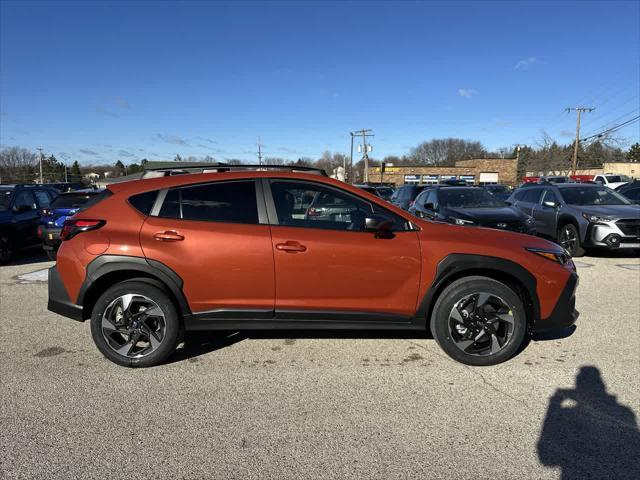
[135, 324]
[6, 249]
[479, 321]
[569, 239]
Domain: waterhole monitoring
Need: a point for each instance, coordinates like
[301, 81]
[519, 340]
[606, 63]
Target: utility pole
[351, 161]
[364, 133]
[579, 110]
[40, 150]
[259, 152]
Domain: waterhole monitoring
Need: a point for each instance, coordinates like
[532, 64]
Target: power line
[612, 122]
[617, 127]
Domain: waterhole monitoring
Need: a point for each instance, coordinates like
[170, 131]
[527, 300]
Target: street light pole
[351, 161]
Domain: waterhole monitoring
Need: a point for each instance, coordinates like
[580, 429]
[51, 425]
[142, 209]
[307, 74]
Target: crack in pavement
[475, 371]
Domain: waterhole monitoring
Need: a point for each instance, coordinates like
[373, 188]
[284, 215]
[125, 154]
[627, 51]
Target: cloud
[88, 152]
[124, 153]
[103, 111]
[567, 133]
[121, 102]
[467, 92]
[287, 150]
[64, 155]
[172, 139]
[524, 64]
[207, 140]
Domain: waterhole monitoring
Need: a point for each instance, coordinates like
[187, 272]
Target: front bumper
[59, 301]
[50, 238]
[612, 235]
[564, 314]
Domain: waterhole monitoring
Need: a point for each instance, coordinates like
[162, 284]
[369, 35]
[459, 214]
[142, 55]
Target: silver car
[580, 216]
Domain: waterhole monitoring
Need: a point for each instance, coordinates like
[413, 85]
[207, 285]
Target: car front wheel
[569, 239]
[135, 324]
[479, 321]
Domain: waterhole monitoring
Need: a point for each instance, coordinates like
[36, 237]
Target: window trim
[273, 215]
[261, 209]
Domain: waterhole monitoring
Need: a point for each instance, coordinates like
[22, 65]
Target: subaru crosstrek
[258, 250]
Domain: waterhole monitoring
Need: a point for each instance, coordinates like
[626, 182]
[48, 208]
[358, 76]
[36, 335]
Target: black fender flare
[456, 264]
[157, 272]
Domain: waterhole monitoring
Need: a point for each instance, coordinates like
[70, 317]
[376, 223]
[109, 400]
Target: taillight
[71, 228]
[39, 231]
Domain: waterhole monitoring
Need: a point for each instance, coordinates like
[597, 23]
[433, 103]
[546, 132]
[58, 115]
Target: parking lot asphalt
[322, 405]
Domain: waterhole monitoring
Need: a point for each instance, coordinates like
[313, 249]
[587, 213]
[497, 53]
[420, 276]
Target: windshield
[73, 200]
[590, 195]
[617, 178]
[468, 198]
[5, 198]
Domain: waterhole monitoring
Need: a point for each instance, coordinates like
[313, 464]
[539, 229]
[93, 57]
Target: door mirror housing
[380, 225]
[429, 206]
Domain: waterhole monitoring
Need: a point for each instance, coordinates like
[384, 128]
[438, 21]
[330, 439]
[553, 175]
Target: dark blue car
[53, 218]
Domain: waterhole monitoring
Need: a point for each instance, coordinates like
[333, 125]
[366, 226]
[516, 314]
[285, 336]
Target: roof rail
[225, 167]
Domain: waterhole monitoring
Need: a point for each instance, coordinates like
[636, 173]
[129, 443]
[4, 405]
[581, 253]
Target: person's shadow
[588, 434]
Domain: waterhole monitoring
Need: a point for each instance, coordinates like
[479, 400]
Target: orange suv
[289, 248]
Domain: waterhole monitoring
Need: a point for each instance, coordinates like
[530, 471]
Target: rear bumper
[59, 301]
[564, 314]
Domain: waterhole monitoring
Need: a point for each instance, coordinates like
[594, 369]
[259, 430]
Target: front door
[327, 267]
[26, 217]
[546, 216]
[212, 236]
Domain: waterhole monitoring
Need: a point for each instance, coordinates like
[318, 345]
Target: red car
[284, 249]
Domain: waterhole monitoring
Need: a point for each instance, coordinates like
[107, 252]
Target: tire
[108, 334]
[459, 344]
[6, 249]
[569, 238]
[51, 255]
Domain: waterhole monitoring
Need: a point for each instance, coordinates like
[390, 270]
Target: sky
[102, 81]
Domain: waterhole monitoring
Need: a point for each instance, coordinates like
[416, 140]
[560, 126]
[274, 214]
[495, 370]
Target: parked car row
[578, 216]
[34, 213]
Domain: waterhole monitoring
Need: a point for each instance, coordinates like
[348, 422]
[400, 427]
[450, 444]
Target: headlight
[459, 221]
[597, 219]
[530, 220]
[563, 258]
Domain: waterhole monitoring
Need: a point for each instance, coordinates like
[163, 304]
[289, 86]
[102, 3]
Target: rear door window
[43, 198]
[532, 195]
[227, 202]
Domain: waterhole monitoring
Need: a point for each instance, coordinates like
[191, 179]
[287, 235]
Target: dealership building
[478, 171]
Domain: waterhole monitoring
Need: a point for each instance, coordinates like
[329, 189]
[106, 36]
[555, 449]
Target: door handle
[169, 236]
[291, 247]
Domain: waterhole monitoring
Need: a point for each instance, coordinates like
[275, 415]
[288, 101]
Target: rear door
[327, 267]
[216, 237]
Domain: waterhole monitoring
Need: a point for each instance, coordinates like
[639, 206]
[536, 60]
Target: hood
[486, 215]
[616, 211]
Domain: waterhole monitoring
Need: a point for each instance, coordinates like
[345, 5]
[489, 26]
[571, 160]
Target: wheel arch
[456, 266]
[107, 270]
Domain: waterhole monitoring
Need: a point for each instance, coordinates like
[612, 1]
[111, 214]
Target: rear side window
[42, 197]
[228, 202]
[143, 202]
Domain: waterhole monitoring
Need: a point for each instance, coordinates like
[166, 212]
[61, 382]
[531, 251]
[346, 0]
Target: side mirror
[429, 206]
[508, 202]
[550, 204]
[380, 225]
